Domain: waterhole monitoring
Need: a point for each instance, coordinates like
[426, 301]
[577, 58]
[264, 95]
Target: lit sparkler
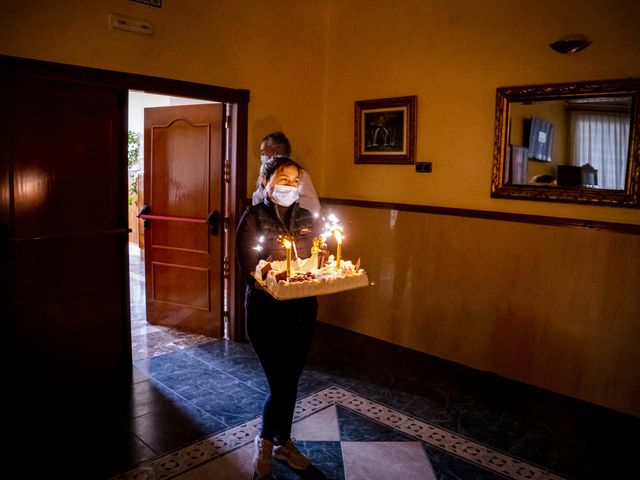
[332, 228]
[258, 247]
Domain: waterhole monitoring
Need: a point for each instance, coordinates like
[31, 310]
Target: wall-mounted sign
[151, 3]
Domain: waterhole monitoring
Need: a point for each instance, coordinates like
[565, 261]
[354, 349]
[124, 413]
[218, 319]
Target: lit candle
[338, 234]
[287, 244]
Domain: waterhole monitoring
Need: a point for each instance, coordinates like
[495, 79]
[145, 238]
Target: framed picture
[385, 130]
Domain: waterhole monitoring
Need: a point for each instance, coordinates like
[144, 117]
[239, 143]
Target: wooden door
[183, 197]
[63, 251]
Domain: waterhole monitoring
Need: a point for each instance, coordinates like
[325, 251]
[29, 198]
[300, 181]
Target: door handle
[142, 213]
[213, 219]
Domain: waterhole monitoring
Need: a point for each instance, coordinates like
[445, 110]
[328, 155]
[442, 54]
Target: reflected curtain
[601, 139]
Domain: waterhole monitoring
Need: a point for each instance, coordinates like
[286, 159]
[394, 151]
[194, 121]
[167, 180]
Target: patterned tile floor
[347, 437]
[365, 408]
[469, 424]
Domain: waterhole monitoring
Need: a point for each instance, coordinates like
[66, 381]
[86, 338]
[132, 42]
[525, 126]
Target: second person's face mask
[284, 195]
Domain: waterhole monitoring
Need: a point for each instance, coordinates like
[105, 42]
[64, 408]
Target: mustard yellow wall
[453, 55]
[274, 48]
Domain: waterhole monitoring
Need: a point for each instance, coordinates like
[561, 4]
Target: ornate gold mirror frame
[507, 98]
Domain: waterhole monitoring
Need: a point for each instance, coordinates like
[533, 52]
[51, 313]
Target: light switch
[423, 167]
[131, 24]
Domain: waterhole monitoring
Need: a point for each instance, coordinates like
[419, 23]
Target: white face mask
[264, 158]
[284, 195]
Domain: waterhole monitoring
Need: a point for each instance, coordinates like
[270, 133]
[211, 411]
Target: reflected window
[601, 140]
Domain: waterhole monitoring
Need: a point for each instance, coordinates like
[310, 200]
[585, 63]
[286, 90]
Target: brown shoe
[289, 454]
[263, 457]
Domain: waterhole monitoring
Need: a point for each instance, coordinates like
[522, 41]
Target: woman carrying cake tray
[280, 332]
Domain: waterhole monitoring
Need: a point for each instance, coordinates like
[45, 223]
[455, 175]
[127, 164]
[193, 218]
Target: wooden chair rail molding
[628, 228]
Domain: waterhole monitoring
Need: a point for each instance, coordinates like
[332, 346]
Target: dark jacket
[262, 221]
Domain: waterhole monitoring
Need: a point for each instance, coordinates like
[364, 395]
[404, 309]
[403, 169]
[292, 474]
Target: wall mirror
[570, 142]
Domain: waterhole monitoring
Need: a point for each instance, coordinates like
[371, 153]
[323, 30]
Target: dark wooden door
[64, 231]
[182, 243]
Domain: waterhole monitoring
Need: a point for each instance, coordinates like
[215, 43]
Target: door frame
[235, 167]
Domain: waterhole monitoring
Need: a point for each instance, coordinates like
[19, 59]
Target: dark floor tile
[232, 405]
[150, 396]
[174, 426]
[113, 454]
[174, 363]
[235, 359]
[449, 467]
[310, 383]
[357, 428]
[191, 384]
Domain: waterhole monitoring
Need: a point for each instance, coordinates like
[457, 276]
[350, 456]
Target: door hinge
[227, 121]
[226, 316]
[226, 268]
[227, 171]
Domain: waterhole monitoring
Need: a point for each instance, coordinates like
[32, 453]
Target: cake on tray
[307, 278]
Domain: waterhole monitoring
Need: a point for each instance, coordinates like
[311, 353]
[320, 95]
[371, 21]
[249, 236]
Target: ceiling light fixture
[572, 43]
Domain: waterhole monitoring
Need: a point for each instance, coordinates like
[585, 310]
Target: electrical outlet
[423, 167]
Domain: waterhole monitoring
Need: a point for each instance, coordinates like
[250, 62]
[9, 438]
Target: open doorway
[148, 339]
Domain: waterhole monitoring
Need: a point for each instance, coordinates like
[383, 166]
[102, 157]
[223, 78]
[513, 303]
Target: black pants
[280, 332]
